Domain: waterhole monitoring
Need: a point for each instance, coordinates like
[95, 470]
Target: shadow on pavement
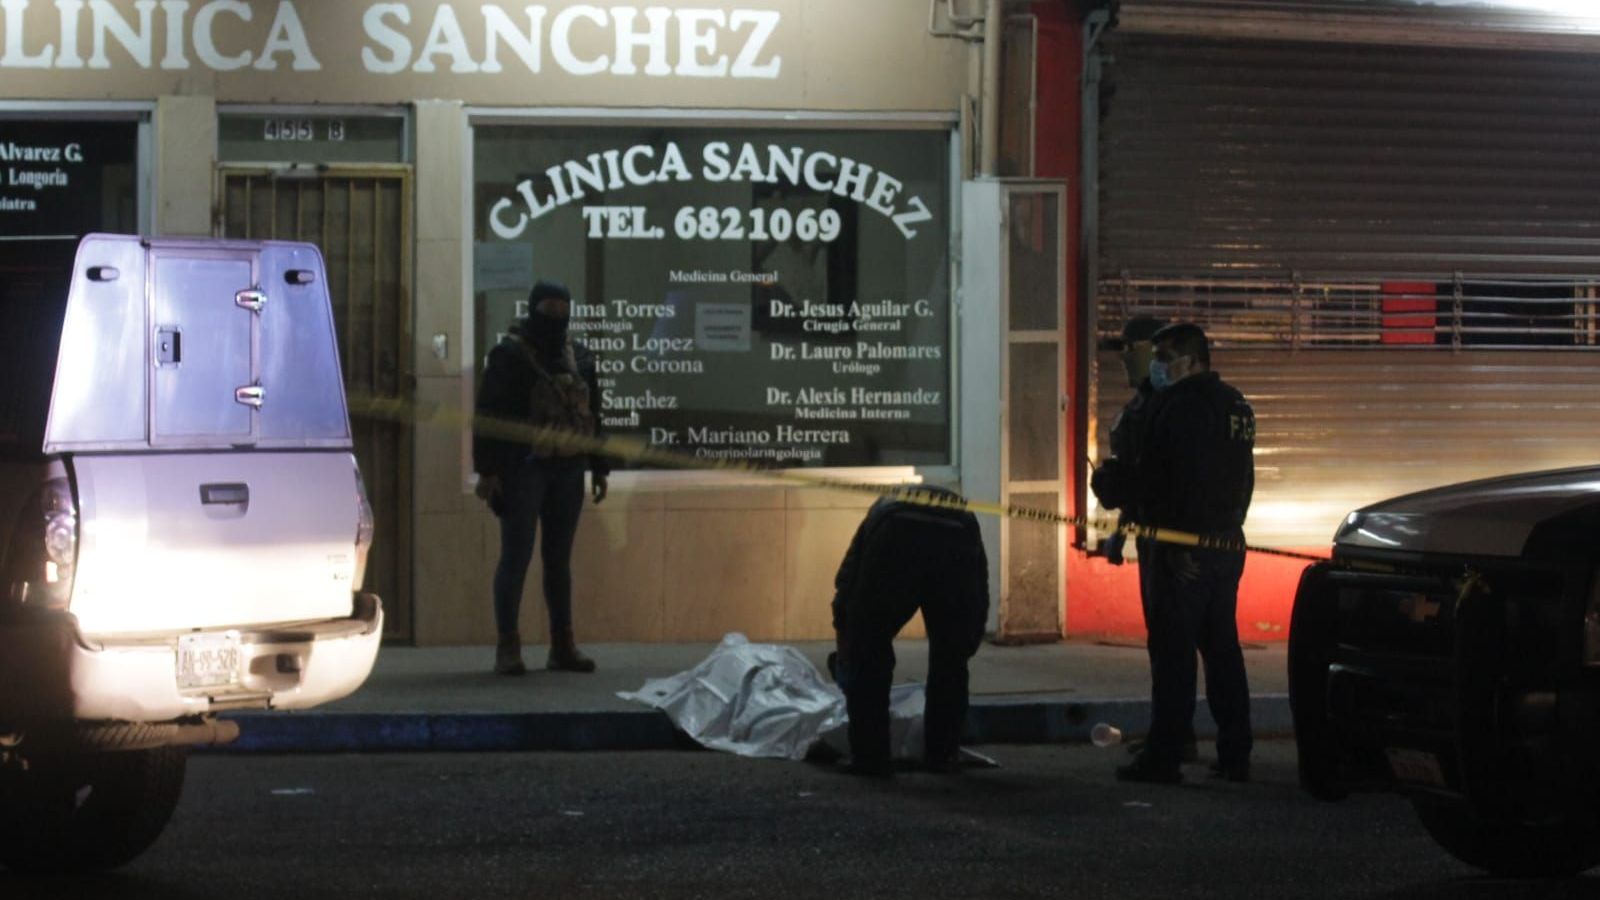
[123, 886]
[1485, 887]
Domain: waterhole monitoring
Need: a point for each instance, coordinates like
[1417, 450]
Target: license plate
[1416, 767]
[208, 660]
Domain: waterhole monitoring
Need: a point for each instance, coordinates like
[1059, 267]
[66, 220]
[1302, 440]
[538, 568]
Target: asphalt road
[1050, 823]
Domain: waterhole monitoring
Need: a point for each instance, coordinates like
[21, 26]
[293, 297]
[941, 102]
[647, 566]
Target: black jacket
[1196, 467]
[946, 538]
[506, 392]
[1113, 482]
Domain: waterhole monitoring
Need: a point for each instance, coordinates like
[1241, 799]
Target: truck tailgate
[179, 541]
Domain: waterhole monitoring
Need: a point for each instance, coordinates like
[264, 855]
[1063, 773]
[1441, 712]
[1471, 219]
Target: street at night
[444, 442]
[1051, 822]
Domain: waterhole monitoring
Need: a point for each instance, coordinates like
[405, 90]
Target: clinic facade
[762, 210]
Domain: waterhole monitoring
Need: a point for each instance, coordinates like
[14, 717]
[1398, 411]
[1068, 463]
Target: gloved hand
[1111, 547]
[489, 490]
[1112, 483]
[599, 485]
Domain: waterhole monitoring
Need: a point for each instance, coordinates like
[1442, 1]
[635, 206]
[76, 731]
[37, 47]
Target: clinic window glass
[68, 178]
[768, 295]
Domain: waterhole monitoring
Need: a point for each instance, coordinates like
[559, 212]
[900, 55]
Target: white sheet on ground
[770, 701]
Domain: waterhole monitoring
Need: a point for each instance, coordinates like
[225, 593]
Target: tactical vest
[559, 401]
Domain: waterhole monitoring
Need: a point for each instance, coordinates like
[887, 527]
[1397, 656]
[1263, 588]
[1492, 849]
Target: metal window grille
[1371, 313]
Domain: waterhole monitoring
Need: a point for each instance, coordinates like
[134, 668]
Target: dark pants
[895, 584]
[539, 492]
[1191, 598]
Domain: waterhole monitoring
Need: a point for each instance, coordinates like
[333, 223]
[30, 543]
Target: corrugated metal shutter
[1233, 157]
[1279, 193]
[1337, 430]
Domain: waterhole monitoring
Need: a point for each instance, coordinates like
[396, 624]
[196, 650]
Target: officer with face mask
[538, 376]
[1114, 482]
[1195, 473]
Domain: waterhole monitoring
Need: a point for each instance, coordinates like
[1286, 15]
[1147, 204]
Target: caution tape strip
[632, 450]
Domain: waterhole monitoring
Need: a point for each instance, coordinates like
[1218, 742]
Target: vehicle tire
[86, 811]
[1311, 636]
[1511, 849]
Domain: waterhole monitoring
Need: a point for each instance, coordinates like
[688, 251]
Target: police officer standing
[1195, 473]
[907, 556]
[1114, 482]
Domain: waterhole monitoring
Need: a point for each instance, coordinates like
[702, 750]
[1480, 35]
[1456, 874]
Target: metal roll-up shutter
[1336, 430]
[1271, 158]
[1396, 251]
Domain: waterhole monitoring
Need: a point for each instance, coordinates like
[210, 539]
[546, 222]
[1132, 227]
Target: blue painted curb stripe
[1018, 722]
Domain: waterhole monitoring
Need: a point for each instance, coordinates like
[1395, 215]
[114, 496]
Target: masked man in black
[538, 376]
[1195, 473]
[907, 556]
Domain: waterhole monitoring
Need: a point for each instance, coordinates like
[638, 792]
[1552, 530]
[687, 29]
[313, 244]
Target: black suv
[1451, 651]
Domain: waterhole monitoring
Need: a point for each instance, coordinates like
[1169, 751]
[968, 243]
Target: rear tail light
[365, 526]
[48, 545]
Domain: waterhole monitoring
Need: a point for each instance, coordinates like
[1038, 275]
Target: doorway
[360, 217]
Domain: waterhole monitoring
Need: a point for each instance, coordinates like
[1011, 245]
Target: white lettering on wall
[69, 11]
[585, 39]
[653, 37]
[205, 44]
[107, 21]
[16, 52]
[762, 22]
[445, 37]
[175, 11]
[561, 41]
[497, 26]
[694, 38]
[287, 34]
[399, 47]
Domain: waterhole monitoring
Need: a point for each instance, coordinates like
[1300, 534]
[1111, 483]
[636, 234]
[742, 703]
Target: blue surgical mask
[1160, 379]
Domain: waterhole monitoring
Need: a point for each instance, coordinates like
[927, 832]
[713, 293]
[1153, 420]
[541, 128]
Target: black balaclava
[547, 333]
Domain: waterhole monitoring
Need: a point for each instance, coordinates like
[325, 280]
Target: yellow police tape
[632, 450]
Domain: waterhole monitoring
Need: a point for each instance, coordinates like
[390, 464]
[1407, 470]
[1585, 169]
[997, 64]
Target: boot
[508, 655]
[564, 654]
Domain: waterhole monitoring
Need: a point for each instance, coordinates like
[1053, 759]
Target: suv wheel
[1514, 849]
[86, 811]
[1311, 636]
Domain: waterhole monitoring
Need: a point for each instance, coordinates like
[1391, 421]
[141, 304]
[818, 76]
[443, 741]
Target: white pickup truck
[183, 528]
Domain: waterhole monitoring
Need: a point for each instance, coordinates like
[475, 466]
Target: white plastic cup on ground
[1104, 735]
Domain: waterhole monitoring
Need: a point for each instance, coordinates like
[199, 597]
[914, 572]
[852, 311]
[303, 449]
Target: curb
[1016, 721]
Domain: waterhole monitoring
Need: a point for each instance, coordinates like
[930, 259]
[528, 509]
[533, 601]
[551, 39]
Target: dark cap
[1188, 339]
[1137, 328]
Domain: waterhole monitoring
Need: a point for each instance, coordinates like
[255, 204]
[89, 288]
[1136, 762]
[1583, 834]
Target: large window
[777, 296]
[68, 178]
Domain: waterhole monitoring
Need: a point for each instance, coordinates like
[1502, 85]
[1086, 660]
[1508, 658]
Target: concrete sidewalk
[446, 699]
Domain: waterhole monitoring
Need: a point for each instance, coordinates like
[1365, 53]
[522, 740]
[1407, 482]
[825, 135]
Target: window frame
[658, 479]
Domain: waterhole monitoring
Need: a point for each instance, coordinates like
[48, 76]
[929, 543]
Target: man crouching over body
[907, 556]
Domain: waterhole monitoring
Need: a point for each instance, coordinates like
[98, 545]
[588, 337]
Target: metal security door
[360, 216]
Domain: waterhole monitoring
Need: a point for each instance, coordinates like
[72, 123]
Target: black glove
[1111, 547]
[1112, 483]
